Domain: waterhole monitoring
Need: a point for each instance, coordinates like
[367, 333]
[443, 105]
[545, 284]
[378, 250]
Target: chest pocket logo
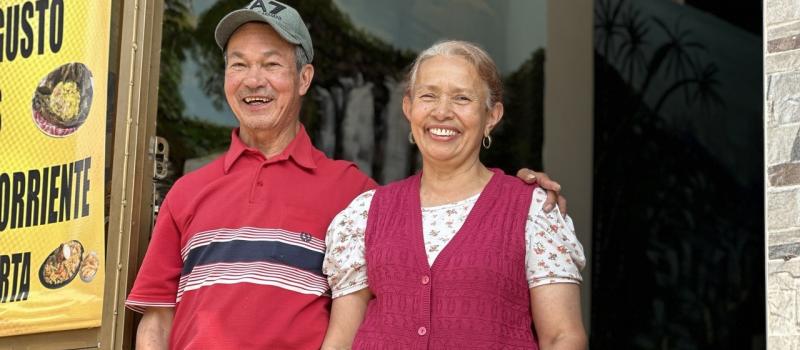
[305, 237]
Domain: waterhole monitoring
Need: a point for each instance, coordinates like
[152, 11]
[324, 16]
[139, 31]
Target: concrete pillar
[569, 117]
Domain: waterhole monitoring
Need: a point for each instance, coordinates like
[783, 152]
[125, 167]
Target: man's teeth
[256, 99]
[442, 132]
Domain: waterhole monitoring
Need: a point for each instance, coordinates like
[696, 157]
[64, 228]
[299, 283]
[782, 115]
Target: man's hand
[553, 189]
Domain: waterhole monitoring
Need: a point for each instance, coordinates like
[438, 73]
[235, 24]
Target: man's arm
[153, 331]
[347, 313]
[553, 189]
[556, 311]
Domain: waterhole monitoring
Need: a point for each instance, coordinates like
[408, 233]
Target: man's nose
[254, 80]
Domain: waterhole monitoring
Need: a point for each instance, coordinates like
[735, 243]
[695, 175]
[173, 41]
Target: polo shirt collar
[300, 150]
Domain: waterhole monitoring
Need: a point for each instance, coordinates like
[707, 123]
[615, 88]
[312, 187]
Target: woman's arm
[347, 313]
[556, 311]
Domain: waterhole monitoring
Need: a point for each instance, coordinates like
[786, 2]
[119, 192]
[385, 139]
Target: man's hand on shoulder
[553, 189]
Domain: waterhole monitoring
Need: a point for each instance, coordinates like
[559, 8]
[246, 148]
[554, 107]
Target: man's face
[262, 84]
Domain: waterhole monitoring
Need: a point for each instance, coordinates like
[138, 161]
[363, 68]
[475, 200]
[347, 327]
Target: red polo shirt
[238, 246]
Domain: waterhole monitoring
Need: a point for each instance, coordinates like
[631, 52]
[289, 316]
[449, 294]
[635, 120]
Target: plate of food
[89, 266]
[62, 265]
[62, 99]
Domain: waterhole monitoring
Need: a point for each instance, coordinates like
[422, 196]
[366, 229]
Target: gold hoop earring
[486, 142]
[411, 138]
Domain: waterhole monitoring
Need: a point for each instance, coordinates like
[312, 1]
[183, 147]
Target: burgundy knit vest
[475, 296]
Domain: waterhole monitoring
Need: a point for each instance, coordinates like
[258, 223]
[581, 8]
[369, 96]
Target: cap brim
[228, 24]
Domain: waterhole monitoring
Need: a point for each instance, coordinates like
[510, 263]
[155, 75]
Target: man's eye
[463, 98]
[427, 96]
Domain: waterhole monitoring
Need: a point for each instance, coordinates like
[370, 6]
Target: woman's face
[447, 111]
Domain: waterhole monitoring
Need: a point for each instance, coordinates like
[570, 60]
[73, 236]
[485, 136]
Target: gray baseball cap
[283, 18]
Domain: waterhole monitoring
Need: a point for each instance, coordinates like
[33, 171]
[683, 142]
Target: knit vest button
[422, 331]
[425, 279]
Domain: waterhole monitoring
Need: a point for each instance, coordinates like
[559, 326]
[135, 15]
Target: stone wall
[782, 125]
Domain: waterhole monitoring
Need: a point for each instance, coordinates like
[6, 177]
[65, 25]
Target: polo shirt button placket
[259, 189]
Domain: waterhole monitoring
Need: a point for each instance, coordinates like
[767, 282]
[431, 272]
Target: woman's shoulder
[515, 183]
[398, 186]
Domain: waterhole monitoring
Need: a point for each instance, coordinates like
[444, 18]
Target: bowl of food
[62, 100]
[62, 265]
[89, 266]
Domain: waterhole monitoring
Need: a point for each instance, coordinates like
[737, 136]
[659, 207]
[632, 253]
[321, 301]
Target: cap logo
[277, 7]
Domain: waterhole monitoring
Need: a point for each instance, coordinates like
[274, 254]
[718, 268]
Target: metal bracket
[159, 149]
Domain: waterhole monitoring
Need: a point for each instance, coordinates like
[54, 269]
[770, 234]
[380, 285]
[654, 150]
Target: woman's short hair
[472, 53]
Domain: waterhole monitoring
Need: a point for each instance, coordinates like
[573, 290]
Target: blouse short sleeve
[553, 254]
[345, 257]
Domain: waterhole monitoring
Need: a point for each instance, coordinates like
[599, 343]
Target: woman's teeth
[442, 132]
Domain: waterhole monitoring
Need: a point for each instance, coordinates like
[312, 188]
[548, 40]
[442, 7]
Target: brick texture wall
[782, 124]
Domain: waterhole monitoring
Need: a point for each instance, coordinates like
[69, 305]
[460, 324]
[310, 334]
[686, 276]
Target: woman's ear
[407, 107]
[495, 115]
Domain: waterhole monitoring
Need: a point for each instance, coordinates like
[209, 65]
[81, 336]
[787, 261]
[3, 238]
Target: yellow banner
[53, 91]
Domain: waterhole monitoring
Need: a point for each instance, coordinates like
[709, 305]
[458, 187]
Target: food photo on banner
[53, 69]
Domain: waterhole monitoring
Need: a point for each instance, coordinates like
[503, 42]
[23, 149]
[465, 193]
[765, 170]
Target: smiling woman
[458, 255]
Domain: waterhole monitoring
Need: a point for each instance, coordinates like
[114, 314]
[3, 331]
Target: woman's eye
[462, 98]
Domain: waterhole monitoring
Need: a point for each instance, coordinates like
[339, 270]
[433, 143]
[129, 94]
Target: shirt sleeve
[553, 254]
[345, 259]
[156, 284]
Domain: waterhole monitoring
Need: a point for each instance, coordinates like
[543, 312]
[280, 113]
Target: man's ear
[306, 76]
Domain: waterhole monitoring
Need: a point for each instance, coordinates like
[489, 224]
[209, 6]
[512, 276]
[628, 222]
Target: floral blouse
[554, 254]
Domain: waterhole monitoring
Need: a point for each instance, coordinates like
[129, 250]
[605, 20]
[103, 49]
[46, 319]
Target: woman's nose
[443, 109]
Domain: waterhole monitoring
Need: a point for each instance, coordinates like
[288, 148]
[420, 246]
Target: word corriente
[44, 196]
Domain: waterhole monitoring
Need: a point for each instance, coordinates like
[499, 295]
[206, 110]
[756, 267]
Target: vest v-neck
[418, 235]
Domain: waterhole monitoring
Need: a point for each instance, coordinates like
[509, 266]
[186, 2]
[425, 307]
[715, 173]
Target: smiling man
[235, 259]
